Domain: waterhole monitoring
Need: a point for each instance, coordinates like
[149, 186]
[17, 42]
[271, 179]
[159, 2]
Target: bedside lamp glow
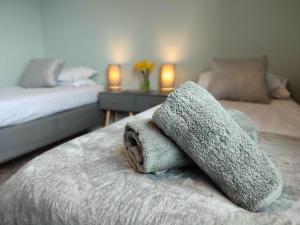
[114, 77]
[167, 78]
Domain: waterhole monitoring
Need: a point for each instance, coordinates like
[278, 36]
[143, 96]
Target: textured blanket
[193, 119]
[149, 150]
[89, 181]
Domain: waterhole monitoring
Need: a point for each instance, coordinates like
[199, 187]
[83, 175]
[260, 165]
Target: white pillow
[204, 79]
[77, 83]
[276, 84]
[76, 73]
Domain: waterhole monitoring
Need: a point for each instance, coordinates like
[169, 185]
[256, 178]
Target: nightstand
[129, 101]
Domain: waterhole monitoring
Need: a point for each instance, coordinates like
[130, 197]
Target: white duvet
[278, 117]
[19, 105]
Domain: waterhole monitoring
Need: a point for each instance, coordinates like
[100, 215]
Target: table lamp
[167, 78]
[114, 77]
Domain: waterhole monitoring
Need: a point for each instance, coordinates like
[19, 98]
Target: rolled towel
[244, 122]
[148, 150]
[192, 118]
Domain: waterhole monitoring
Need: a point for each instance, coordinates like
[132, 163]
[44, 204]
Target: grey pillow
[277, 85]
[41, 73]
[240, 80]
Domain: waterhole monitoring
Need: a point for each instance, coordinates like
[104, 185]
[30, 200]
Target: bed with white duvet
[279, 117]
[20, 105]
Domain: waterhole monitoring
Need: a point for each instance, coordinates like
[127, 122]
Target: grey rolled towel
[244, 122]
[193, 119]
[148, 150]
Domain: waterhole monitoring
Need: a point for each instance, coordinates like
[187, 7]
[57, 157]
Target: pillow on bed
[204, 79]
[76, 73]
[277, 85]
[77, 83]
[240, 80]
[41, 73]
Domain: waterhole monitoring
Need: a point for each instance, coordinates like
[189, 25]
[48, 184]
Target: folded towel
[148, 150]
[192, 118]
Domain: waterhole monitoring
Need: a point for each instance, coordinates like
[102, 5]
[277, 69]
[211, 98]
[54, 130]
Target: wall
[189, 33]
[20, 38]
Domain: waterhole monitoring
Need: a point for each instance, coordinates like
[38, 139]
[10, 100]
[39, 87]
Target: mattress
[279, 117]
[19, 105]
[95, 185]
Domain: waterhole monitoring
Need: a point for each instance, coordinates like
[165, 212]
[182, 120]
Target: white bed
[19, 105]
[278, 117]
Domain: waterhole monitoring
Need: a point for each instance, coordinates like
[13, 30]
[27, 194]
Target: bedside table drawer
[116, 102]
[146, 102]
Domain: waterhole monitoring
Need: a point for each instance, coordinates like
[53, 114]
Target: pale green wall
[20, 38]
[188, 33]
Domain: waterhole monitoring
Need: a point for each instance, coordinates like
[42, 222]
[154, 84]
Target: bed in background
[280, 116]
[52, 103]
[33, 118]
[99, 187]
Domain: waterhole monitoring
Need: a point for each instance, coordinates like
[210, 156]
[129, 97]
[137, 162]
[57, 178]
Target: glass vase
[145, 84]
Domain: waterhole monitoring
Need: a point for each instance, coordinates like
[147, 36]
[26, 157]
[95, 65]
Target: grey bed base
[21, 139]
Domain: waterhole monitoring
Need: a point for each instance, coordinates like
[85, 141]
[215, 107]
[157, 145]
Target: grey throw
[87, 181]
[149, 150]
[192, 118]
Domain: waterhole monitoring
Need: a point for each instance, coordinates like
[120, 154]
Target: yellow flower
[144, 66]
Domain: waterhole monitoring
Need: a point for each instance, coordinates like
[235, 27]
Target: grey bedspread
[88, 181]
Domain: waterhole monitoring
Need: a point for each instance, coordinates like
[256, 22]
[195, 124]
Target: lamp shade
[114, 77]
[167, 78]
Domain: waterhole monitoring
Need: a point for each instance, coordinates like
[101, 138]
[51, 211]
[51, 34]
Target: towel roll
[193, 119]
[148, 150]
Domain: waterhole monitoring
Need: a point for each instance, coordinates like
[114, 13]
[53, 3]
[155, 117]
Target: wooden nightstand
[130, 101]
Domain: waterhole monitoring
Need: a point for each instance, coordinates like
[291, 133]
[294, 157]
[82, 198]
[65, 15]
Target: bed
[94, 184]
[280, 116]
[33, 118]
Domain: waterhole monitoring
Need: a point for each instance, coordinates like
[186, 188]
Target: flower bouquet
[145, 68]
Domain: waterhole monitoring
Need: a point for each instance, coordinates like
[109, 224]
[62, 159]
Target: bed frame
[21, 139]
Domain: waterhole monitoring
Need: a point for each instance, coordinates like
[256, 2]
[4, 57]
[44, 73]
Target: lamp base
[167, 90]
[114, 88]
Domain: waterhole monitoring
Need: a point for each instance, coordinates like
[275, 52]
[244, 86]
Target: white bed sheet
[279, 117]
[19, 105]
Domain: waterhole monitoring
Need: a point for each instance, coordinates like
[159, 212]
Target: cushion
[76, 73]
[240, 80]
[204, 79]
[41, 73]
[277, 85]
